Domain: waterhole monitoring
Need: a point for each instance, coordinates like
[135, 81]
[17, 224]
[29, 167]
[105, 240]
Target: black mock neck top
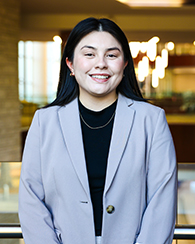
[96, 146]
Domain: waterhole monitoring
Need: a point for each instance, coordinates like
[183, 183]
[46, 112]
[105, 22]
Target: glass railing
[9, 222]
[186, 204]
[9, 184]
[186, 194]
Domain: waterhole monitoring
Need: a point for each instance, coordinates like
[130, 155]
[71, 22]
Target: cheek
[119, 67]
[81, 64]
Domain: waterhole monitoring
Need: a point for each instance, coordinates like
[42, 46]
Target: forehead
[98, 39]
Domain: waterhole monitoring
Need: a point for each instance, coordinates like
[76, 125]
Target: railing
[13, 231]
[184, 232]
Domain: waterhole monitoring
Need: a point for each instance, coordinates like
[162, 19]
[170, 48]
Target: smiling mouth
[101, 77]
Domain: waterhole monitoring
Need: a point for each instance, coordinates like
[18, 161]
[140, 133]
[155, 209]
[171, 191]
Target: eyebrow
[108, 49]
[88, 47]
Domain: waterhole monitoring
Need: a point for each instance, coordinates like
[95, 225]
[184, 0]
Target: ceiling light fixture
[57, 39]
[170, 46]
[152, 3]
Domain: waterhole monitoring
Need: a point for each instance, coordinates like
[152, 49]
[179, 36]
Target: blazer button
[110, 209]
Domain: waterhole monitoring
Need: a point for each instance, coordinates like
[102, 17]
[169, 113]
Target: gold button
[110, 209]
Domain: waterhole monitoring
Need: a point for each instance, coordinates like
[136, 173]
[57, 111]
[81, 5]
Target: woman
[99, 162]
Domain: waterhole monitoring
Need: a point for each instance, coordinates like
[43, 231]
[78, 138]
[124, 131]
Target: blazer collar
[120, 134]
[71, 129]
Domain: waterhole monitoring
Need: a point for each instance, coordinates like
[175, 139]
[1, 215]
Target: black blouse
[96, 146]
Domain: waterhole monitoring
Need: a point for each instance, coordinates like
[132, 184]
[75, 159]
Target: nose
[101, 63]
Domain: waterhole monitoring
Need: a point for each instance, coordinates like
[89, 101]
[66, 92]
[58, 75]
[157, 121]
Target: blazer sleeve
[35, 218]
[158, 221]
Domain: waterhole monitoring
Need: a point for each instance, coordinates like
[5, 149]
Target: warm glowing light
[145, 61]
[159, 67]
[161, 62]
[158, 62]
[153, 3]
[123, 1]
[141, 76]
[143, 47]
[170, 46]
[57, 39]
[152, 47]
[194, 43]
[155, 79]
[143, 69]
[151, 51]
[161, 73]
[154, 39]
[164, 55]
[134, 47]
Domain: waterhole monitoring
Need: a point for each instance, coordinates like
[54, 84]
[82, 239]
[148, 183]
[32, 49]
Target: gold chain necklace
[98, 127]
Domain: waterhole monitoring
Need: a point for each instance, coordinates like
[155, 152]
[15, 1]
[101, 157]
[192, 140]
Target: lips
[100, 76]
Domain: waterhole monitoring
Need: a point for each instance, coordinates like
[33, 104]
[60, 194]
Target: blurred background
[161, 36]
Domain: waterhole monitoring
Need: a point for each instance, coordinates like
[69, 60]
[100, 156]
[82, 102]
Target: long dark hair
[68, 88]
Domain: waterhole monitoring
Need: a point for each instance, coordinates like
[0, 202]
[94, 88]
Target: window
[39, 64]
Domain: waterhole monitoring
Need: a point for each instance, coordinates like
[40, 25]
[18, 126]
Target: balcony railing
[13, 231]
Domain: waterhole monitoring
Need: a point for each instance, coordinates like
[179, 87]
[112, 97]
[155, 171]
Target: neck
[97, 103]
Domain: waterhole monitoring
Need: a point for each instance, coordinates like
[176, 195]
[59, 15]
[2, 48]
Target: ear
[126, 64]
[70, 65]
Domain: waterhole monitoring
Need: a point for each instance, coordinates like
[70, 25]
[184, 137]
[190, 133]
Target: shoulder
[142, 107]
[54, 110]
[45, 113]
[149, 113]
[51, 115]
[48, 111]
[149, 117]
[44, 116]
[144, 113]
[146, 107]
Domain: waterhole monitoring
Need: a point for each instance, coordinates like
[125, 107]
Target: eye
[89, 55]
[111, 55]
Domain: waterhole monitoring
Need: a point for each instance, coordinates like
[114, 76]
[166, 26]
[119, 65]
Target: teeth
[100, 76]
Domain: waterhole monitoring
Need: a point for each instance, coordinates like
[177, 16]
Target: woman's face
[98, 66]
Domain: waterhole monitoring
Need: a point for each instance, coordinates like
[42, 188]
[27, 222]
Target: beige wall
[184, 82]
[9, 103]
[179, 80]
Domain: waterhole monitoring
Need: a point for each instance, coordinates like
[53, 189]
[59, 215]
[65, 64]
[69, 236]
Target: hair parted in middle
[68, 88]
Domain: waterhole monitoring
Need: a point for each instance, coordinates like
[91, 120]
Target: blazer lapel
[121, 130]
[71, 129]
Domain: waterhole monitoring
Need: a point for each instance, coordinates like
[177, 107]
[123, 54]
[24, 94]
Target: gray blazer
[141, 184]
